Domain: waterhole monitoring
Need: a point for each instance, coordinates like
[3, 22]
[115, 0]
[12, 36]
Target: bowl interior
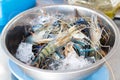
[17, 29]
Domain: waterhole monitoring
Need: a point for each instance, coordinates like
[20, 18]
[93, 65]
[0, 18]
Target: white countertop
[4, 70]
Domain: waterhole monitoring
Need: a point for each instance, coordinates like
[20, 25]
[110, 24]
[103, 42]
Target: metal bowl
[13, 31]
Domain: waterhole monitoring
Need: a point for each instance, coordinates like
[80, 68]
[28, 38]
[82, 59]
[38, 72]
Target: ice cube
[73, 61]
[24, 53]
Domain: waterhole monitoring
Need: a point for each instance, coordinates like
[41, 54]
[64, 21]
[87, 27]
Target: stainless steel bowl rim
[113, 50]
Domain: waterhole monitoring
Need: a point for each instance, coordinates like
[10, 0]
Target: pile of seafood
[59, 42]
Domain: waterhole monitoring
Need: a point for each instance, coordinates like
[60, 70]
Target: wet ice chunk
[41, 20]
[55, 65]
[73, 61]
[24, 53]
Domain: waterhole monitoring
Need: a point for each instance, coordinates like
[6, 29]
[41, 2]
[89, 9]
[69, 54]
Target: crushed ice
[24, 53]
[71, 62]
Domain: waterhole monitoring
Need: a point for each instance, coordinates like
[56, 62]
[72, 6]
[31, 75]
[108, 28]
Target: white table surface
[4, 70]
